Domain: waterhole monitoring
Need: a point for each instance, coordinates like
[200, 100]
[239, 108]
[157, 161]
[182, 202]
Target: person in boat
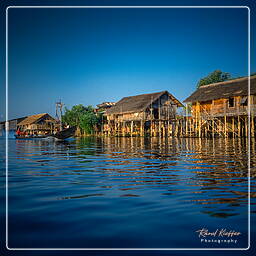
[18, 132]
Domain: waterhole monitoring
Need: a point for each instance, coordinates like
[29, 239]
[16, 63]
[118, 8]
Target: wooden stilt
[108, 128]
[141, 128]
[159, 129]
[252, 126]
[213, 130]
[207, 129]
[163, 127]
[186, 121]
[239, 126]
[233, 127]
[225, 126]
[123, 129]
[246, 126]
[176, 128]
[199, 128]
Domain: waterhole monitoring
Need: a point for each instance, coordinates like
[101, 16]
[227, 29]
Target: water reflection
[210, 173]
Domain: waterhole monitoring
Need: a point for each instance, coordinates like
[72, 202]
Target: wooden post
[115, 127]
[213, 130]
[252, 126]
[246, 126]
[168, 122]
[199, 129]
[176, 128]
[151, 117]
[190, 128]
[141, 128]
[131, 128]
[252, 111]
[151, 128]
[207, 129]
[225, 126]
[123, 129]
[239, 126]
[233, 127]
[186, 120]
[109, 128]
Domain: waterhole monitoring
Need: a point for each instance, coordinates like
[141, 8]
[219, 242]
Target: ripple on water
[118, 192]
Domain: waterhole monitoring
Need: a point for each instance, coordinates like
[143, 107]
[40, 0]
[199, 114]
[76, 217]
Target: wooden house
[224, 108]
[142, 114]
[11, 125]
[38, 124]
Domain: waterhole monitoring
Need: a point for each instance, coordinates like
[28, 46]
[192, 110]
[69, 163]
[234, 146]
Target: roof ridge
[228, 81]
[144, 94]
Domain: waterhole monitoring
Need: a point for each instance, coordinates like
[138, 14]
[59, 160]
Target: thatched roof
[34, 118]
[138, 103]
[231, 88]
[106, 104]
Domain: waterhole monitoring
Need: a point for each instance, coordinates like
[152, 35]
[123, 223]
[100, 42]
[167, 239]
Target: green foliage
[214, 77]
[83, 117]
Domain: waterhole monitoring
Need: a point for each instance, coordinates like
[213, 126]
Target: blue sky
[87, 56]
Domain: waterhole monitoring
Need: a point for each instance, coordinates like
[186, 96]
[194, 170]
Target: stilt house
[39, 124]
[142, 114]
[223, 108]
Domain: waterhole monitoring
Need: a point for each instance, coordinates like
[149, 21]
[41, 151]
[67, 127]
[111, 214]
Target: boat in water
[65, 133]
[60, 135]
[32, 136]
[43, 125]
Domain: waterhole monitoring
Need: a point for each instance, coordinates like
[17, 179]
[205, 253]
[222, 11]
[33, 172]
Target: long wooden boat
[61, 135]
[64, 134]
[33, 136]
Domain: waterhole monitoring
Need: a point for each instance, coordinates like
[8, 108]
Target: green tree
[83, 117]
[214, 77]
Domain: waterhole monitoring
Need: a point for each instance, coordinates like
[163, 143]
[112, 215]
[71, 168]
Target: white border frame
[7, 130]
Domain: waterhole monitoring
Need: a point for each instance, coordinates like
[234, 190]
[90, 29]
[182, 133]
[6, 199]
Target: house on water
[38, 124]
[146, 114]
[11, 125]
[222, 109]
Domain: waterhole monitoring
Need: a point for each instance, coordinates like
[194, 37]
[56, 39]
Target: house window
[231, 102]
[244, 101]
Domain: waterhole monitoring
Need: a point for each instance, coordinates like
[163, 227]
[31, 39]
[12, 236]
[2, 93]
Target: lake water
[127, 192]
